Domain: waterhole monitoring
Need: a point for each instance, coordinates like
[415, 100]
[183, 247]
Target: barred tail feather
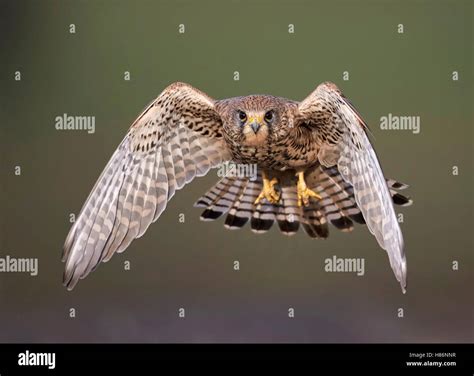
[235, 197]
[289, 214]
[314, 221]
[263, 217]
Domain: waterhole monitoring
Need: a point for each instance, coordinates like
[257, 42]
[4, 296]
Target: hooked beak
[255, 130]
[255, 125]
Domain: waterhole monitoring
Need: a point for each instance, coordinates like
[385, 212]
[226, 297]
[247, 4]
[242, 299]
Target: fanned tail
[235, 197]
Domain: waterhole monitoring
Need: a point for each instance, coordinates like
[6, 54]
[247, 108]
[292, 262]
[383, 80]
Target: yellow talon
[304, 193]
[268, 190]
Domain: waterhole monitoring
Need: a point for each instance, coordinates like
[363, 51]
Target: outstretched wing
[177, 137]
[340, 133]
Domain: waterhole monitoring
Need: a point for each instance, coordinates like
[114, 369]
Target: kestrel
[314, 160]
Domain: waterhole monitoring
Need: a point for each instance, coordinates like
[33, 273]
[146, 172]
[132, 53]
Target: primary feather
[177, 137]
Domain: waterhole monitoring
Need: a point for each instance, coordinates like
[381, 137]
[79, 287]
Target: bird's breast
[267, 156]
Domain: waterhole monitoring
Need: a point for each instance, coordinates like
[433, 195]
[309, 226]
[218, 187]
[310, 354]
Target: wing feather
[341, 136]
[177, 137]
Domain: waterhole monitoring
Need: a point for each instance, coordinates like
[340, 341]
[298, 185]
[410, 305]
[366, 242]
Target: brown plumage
[315, 166]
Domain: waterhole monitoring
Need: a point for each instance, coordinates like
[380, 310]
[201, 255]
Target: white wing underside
[359, 166]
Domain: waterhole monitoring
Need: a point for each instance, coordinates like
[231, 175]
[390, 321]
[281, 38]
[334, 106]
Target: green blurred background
[190, 264]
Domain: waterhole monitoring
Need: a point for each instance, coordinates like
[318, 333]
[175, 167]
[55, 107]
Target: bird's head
[255, 125]
[255, 120]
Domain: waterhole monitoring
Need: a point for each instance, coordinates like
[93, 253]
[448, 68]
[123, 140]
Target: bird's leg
[304, 193]
[268, 190]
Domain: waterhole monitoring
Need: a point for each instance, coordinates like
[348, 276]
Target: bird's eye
[269, 116]
[242, 116]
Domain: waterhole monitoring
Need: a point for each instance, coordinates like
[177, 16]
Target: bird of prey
[314, 160]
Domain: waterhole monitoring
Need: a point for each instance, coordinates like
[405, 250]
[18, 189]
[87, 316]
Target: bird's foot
[268, 191]
[304, 193]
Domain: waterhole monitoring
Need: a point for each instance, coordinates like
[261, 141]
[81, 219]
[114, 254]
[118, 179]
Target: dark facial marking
[242, 116]
[269, 116]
